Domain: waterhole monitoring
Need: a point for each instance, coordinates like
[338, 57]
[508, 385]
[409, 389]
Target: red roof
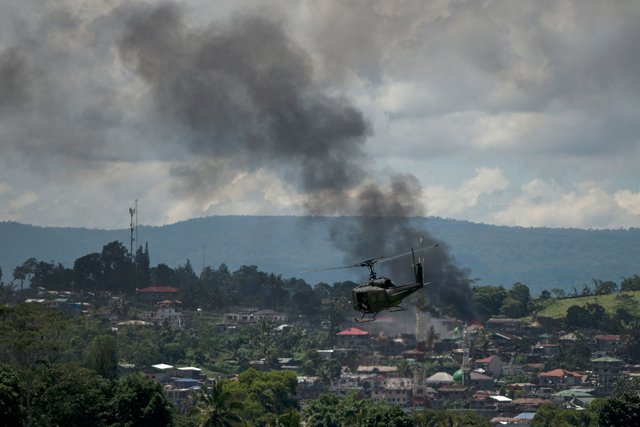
[559, 373]
[353, 331]
[159, 289]
[485, 360]
[607, 337]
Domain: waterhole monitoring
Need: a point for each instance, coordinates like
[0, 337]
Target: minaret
[466, 364]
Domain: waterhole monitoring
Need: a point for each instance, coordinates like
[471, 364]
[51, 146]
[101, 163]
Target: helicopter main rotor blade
[370, 262]
[315, 270]
[408, 253]
[365, 263]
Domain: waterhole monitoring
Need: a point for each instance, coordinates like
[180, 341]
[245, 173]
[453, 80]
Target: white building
[166, 311]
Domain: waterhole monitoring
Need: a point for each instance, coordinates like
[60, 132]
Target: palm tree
[216, 407]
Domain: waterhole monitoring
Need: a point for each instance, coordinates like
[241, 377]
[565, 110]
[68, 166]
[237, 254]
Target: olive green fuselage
[373, 298]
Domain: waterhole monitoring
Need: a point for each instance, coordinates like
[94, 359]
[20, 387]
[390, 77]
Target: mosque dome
[457, 376]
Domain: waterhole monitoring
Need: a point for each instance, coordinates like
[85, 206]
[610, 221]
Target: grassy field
[611, 302]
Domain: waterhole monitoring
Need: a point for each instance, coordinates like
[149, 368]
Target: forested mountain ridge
[543, 258]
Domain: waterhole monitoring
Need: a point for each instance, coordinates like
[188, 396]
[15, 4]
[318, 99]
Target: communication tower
[133, 227]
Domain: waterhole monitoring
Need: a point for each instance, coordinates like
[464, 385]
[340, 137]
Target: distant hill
[543, 258]
[610, 302]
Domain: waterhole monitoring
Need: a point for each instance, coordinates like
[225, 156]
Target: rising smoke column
[383, 226]
[242, 96]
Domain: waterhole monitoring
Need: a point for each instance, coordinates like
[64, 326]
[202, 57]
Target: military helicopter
[380, 293]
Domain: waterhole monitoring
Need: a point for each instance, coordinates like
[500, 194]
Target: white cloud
[628, 201]
[254, 193]
[22, 201]
[543, 203]
[454, 202]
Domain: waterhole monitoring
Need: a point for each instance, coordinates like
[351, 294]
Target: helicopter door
[363, 300]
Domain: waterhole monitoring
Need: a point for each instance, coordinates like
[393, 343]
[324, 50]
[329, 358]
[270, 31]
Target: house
[512, 369]
[568, 339]
[505, 342]
[250, 316]
[153, 294]
[161, 372]
[347, 383]
[481, 401]
[481, 381]
[241, 317]
[189, 372]
[606, 371]
[166, 311]
[452, 392]
[509, 326]
[491, 365]
[579, 397]
[352, 338]
[546, 350]
[560, 379]
[528, 404]
[270, 316]
[394, 391]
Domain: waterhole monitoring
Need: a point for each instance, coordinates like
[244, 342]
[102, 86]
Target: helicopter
[380, 293]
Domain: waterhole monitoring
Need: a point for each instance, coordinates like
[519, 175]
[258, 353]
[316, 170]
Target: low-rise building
[166, 311]
[394, 391]
[607, 344]
[546, 350]
[250, 316]
[352, 338]
[481, 381]
[510, 326]
[161, 372]
[606, 372]
[491, 365]
[560, 379]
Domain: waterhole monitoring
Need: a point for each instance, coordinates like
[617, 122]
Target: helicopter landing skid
[393, 309]
[363, 320]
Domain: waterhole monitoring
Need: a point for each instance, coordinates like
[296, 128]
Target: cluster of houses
[487, 369]
[492, 379]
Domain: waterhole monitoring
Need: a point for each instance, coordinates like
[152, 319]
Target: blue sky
[508, 113]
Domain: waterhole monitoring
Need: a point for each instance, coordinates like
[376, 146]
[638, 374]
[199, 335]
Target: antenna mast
[136, 209]
[132, 213]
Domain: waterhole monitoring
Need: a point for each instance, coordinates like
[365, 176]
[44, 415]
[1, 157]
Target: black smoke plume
[384, 226]
[243, 96]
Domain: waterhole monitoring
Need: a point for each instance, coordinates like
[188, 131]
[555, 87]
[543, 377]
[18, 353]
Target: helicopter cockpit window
[363, 300]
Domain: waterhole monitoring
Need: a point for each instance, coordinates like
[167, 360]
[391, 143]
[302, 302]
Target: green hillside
[610, 302]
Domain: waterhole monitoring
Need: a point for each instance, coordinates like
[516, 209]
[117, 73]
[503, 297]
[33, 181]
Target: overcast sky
[508, 113]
